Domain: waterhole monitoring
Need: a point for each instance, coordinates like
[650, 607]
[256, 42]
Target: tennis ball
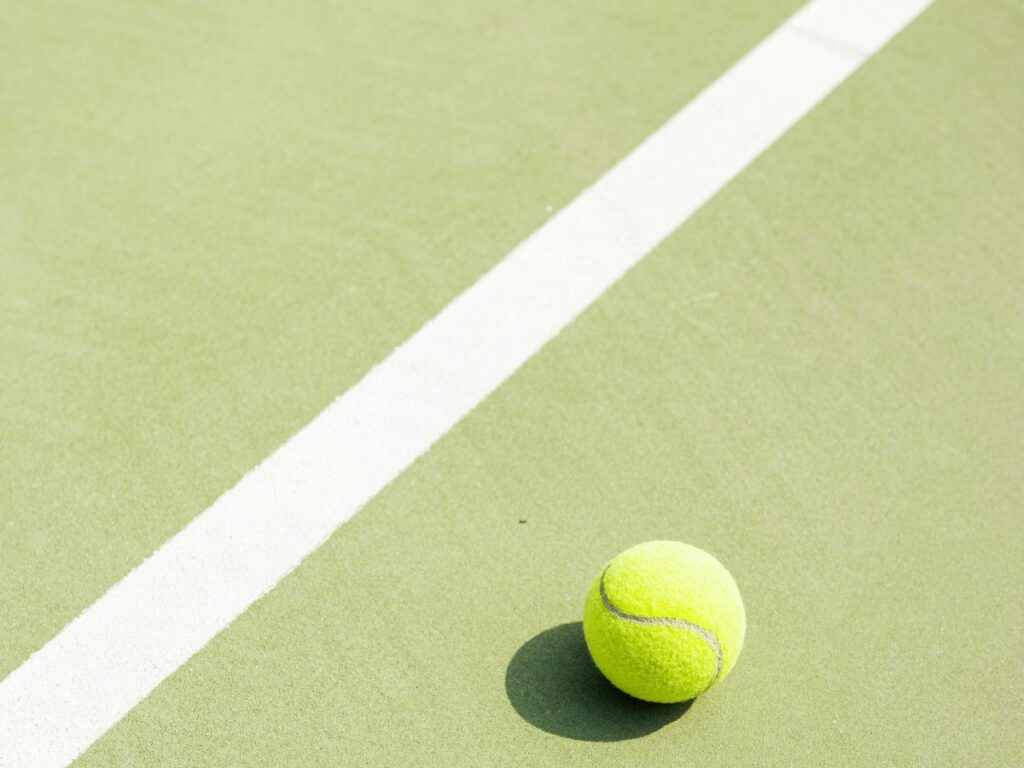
[664, 621]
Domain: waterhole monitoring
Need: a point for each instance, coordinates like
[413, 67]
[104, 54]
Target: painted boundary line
[77, 686]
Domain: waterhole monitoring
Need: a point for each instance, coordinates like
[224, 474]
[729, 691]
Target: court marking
[95, 670]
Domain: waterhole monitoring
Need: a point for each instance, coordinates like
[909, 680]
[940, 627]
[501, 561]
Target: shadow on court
[553, 684]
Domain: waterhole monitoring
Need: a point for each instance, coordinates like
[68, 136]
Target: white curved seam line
[667, 621]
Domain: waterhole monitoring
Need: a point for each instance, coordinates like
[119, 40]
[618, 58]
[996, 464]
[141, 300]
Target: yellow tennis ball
[664, 621]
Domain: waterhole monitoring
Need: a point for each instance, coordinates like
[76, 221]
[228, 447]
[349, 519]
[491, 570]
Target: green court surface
[215, 218]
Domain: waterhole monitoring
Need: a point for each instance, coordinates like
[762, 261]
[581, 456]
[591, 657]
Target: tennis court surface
[342, 344]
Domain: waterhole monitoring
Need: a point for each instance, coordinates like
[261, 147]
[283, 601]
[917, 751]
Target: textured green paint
[817, 378]
[841, 423]
[214, 220]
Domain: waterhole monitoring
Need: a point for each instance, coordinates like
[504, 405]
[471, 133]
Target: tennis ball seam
[707, 635]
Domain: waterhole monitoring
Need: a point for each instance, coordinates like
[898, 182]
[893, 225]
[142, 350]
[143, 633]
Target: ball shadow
[552, 683]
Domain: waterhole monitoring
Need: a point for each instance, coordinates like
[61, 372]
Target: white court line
[71, 691]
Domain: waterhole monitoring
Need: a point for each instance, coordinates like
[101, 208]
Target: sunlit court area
[474, 383]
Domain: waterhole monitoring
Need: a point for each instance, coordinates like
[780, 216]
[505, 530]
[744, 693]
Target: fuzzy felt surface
[664, 581]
